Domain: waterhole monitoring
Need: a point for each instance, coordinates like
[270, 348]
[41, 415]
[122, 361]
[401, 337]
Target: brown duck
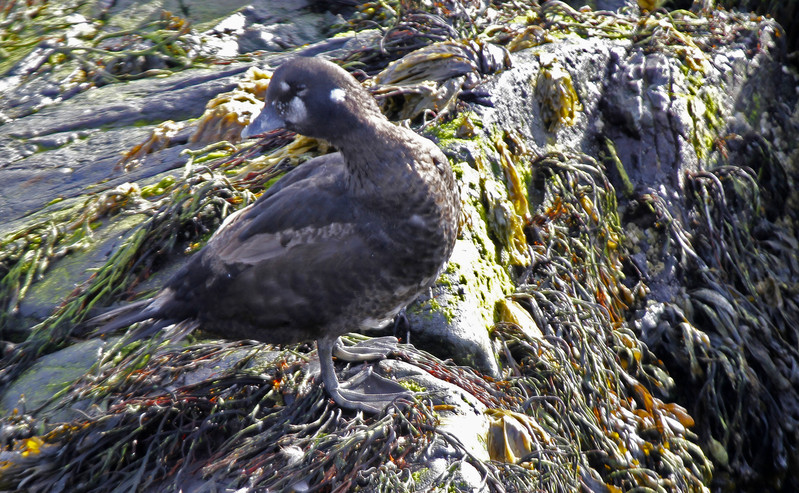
[341, 243]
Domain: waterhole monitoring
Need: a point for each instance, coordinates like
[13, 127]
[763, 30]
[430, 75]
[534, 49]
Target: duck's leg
[366, 391]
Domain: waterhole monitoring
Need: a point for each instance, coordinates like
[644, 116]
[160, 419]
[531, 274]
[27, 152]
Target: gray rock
[61, 151]
[50, 375]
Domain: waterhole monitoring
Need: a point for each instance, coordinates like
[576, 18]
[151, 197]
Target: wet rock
[61, 151]
[50, 375]
[275, 27]
[617, 5]
[453, 320]
[462, 307]
[67, 274]
[517, 104]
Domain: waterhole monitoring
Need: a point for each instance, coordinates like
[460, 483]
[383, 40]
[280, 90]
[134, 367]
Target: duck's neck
[389, 156]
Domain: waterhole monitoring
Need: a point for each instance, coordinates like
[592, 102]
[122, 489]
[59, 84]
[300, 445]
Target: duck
[341, 243]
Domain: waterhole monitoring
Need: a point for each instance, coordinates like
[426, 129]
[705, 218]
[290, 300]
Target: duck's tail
[139, 311]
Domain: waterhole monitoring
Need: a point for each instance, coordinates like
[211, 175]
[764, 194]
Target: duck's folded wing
[296, 262]
[280, 287]
[315, 183]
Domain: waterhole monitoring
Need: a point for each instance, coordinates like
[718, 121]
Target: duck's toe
[371, 349]
[370, 392]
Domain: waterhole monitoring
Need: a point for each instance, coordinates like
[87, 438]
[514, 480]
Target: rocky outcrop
[620, 310]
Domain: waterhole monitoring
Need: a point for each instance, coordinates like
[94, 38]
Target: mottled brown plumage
[340, 244]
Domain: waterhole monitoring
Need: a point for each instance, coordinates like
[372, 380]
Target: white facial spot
[417, 220]
[284, 87]
[337, 95]
[296, 111]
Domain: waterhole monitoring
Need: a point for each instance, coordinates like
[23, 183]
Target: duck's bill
[266, 121]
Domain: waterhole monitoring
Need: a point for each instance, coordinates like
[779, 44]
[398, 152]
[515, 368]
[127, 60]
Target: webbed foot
[365, 391]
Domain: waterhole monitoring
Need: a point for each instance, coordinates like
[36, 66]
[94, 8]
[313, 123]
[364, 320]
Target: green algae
[66, 273]
[412, 386]
[613, 162]
[49, 376]
[464, 127]
[430, 309]
[158, 189]
[272, 181]
[547, 369]
[707, 120]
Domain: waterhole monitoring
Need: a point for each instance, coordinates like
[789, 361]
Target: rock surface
[622, 297]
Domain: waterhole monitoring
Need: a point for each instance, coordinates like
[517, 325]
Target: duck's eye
[301, 90]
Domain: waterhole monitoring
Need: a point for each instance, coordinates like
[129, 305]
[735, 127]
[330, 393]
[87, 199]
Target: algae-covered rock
[618, 313]
[49, 376]
[460, 309]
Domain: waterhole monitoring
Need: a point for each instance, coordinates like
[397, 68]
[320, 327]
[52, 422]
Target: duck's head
[313, 97]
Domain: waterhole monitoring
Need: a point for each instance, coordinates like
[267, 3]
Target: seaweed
[587, 359]
[734, 330]
[586, 397]
[55, 41]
